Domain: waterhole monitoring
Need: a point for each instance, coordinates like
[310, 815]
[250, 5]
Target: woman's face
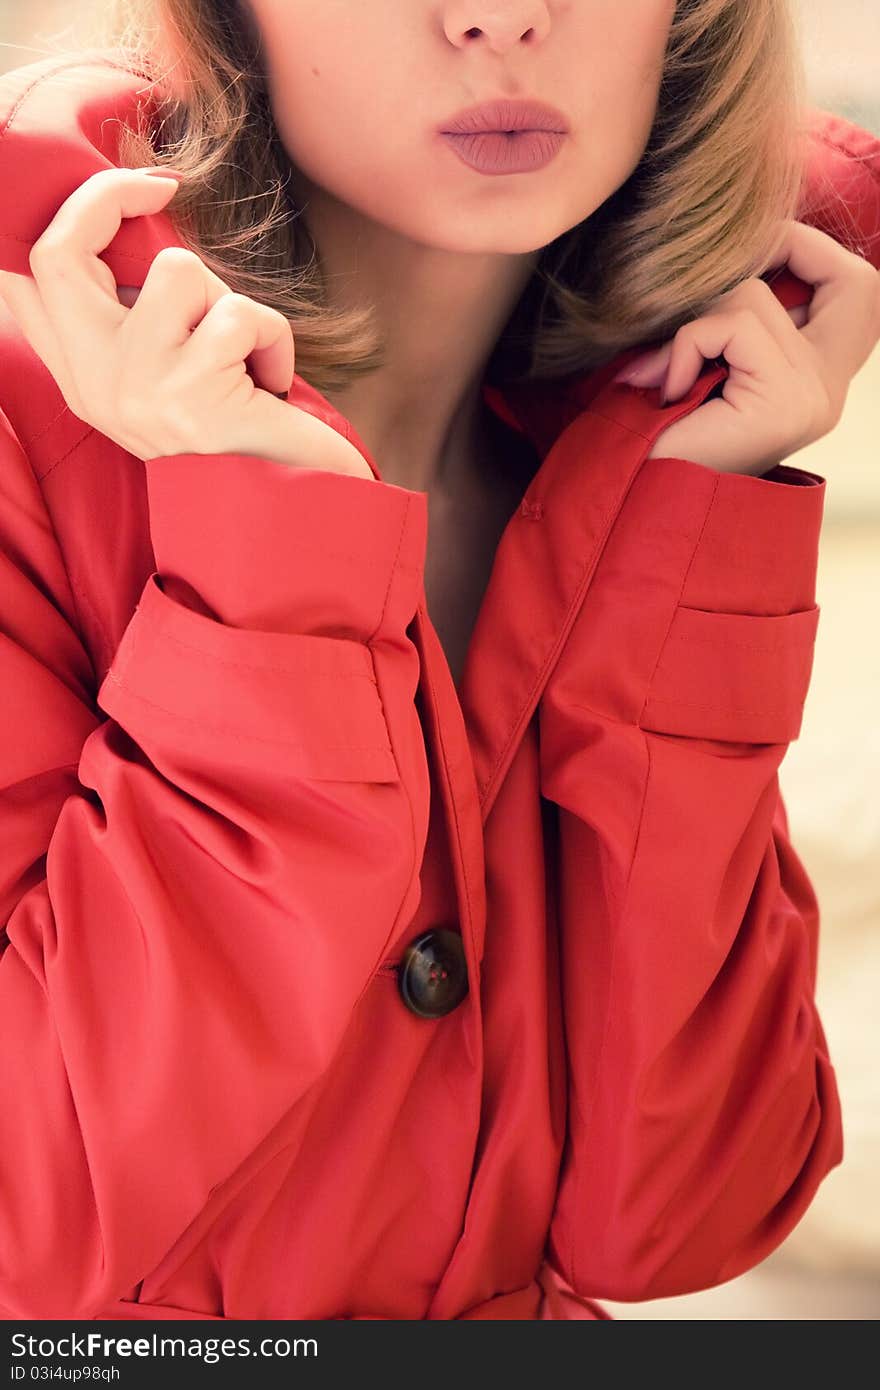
[359, 89]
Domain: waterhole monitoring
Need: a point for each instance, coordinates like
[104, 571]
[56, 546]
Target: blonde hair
[724, 163]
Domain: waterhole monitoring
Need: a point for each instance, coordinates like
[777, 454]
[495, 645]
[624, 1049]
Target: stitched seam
[72, 450]
[727, 709]
[394, 567]
[80, 598]
[802, 645]
[261, 666]
[333, 554]
[84, 600]
[825, 139]
[603, 532]
[752, 568]
[341, 554]
[414, 868]
[76, 62]
[120, 255]
[442, 744]
[655, 700]
[74, 595]
[243, 733]
[50, 424]
[620, 424]
[681, 590]
[602, 714]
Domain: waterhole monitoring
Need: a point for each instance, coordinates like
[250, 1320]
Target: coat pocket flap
[733, 676]
[310, 702]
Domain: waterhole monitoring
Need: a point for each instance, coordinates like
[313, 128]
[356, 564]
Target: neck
[440, 314]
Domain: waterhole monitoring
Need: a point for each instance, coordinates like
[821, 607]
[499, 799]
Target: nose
[500, 24]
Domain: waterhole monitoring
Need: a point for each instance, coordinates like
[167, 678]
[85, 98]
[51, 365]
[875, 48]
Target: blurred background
[829, 1268]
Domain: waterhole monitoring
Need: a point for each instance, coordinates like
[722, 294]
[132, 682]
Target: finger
[739, 336]
[237, 328]
[809, 253]
[177, 293]
[842, 284]
[78, 290]
[22, 298]
[650, 370]
[782, 324]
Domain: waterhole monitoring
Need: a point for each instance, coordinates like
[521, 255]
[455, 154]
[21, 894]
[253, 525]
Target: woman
[401, 917]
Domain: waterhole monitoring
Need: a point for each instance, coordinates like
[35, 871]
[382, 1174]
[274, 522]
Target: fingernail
[160, 171]
[643, 368]
[631, 374]
[643, 375]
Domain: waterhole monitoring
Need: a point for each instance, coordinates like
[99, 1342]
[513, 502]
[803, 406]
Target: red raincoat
[256, 846]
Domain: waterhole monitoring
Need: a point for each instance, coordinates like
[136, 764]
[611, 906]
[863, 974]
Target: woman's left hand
[789, 369]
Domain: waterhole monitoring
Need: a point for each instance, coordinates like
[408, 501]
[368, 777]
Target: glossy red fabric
[237, 780]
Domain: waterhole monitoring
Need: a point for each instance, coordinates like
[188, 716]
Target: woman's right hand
[166, 374]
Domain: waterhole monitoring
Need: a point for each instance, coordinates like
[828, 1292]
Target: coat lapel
[545, 561]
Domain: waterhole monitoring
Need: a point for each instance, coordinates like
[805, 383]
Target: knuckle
[270, 311]
[280, 318]
[276, 322]
[232, 311]
[759, 292]
[174, 261]
[235, 304]
[46, 253]
[745, 316]
[856, 254]
[104, 183]
[863, 270]
[744, 291]
[809, 232]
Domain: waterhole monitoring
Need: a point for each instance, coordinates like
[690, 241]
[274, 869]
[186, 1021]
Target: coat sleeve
[203, 859]
[703, 1110]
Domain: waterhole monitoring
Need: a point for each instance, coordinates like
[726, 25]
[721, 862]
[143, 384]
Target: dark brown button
[432, 976]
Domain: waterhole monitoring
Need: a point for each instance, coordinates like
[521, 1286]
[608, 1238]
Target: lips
[505, 116]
